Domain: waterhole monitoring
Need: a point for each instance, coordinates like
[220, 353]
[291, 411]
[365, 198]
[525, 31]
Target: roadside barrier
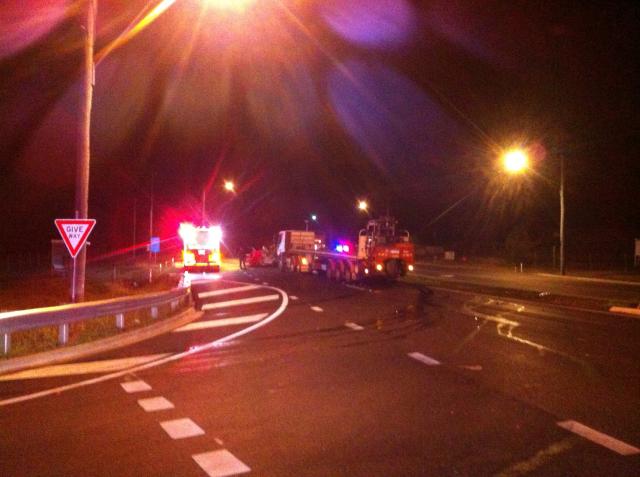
[64, 315]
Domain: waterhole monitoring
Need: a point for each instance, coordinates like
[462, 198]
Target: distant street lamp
[229, 186]
[516, 161]
[363, 205]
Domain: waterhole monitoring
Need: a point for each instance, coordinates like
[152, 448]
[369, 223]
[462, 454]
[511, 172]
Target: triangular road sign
[74, 233]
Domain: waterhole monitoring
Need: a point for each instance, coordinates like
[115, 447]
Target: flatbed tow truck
[382, 250]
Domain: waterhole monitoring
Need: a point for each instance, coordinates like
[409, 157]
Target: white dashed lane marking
[181, 428]
[604, 440]
[353, 326]
[317, 309]
[239, 320]
[226, 291]
[424, 359]
[155, 404]
[135, 386]
[243, 301]
[220, 463]
[293, 297]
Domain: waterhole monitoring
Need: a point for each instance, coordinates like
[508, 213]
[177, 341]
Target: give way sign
[74, 233]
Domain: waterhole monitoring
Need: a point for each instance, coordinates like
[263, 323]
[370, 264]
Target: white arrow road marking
[155, 404]
[353, 326]
[182, 428]
[424, 359]
[239, 320]
[220, 463]
[604, 440]
[226, 291]
[243, 301]
[90, 367]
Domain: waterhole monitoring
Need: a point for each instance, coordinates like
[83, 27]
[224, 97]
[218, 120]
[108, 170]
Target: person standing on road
[242, 256]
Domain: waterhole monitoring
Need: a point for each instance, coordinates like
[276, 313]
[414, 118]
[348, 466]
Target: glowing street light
[229, 186]
[515, 161]
[363, 205]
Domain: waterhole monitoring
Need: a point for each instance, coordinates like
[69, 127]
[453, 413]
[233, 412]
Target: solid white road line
[155, 404]
[226, 291]
[353, 326]
[634, 312]
[239, 320]
[90, 367]
[317, 309]
[181, 428]
[135, 386]
[220, 463]
[604, 440]
[471, 367]
[424, 359]
[243, 301]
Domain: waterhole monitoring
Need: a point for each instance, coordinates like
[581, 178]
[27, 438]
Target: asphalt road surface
[291, 375]
[584, 287]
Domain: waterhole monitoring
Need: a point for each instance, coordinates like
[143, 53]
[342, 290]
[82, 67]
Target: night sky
[310, 105]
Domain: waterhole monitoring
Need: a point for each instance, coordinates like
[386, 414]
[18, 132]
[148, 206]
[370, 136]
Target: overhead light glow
[230, 5]
[515, 161]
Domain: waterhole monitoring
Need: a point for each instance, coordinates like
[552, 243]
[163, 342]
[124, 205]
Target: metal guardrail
[64, 315]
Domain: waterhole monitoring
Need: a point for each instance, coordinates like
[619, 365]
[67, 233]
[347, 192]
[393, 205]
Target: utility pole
[204, 197]
[151, 231]
[84, 143]
[135, 214]
[562, 216]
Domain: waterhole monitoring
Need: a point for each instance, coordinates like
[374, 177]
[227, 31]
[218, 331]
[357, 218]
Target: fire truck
[382, 250]
[201, 248]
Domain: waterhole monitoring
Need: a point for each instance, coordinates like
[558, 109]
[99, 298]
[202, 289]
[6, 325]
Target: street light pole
[204, 201]
[84, 144]
[562, 216]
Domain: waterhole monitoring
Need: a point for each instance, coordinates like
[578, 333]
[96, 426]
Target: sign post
[74, 233]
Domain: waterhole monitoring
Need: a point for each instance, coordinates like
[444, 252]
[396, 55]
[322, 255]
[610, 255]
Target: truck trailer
[382, 250]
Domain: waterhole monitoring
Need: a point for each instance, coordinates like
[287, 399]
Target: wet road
[370, 380]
